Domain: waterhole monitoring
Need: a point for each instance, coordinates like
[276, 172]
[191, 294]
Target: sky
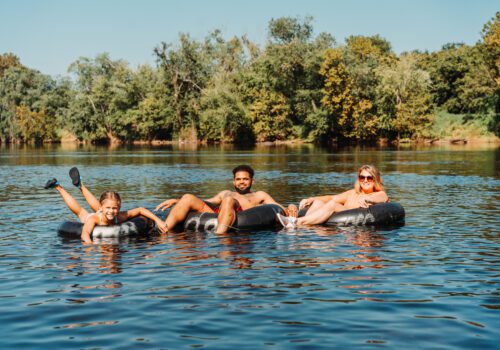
[48, 35]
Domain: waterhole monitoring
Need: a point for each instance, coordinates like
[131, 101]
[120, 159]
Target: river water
[432, 284]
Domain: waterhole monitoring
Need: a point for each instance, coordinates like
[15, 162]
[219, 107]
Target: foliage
[297, 85]
[460, 126]
[223, 117]
[406, 87]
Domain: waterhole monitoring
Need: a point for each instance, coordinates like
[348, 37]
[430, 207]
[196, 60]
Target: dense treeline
[298, 86]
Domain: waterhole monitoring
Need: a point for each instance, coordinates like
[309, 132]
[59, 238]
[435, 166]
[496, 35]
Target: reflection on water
[433, 281]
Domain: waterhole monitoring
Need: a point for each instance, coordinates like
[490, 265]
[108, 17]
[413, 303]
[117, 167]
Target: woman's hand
[306, 202]
[166, 204]
[365, 201]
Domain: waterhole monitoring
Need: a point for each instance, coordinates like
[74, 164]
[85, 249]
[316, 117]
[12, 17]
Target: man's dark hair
[246, 168]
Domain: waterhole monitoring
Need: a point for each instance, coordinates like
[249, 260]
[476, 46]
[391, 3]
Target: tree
[337, 95]
[223, 116]
[27, 96]
[103, 96]
[270, 116]
[490, 49]
[287, 71]
[8, 60]
[286, 29]
[186, 70]
[405, 89]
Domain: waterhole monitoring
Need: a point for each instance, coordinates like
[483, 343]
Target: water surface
[432, 284]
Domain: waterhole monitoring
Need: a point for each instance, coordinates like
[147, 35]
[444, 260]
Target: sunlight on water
[432, 283]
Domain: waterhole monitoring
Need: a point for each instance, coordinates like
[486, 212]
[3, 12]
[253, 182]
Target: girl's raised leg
[72, 204]
[90, 198]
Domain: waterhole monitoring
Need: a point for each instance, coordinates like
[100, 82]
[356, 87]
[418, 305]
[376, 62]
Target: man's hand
[166, 204]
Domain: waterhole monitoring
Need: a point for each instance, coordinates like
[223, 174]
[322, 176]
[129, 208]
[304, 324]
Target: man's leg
[227, 214]
[187, 203]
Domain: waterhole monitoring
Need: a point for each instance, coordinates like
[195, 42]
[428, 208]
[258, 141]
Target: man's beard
[244, 191]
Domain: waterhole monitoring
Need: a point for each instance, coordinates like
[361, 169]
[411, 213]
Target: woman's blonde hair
[114, 196]
[378, 182]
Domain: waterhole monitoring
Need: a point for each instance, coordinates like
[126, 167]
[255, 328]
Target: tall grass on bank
[464, 126]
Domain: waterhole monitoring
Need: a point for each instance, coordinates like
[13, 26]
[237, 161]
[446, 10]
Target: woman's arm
[373, 198]
[132, 213]
[339, 198]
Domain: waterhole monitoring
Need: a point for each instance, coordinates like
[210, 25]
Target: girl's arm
[87, 230]
[129, 214]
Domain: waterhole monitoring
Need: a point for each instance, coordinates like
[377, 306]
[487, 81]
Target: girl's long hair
[379, 183]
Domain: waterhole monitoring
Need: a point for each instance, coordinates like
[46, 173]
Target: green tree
[337, 97]
[152, 117]
[223, 117]
[405, 89]
[8, 60]
[27, 96]
[186, 69]
[104, 95]
[288, 71]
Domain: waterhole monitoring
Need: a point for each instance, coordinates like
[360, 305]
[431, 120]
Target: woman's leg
[89, 197]
[316, 204]
[72, 204]
[320, 215]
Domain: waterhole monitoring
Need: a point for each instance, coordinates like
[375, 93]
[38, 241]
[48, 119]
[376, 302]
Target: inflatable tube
[259, 217]
[133, 227]
[383, 214]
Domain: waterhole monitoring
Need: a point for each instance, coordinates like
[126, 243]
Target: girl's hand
[306, 202]
[86, 239]
[162, 226]
[166, 204]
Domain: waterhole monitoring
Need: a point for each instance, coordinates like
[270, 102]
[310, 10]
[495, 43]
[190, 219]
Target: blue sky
[50, 34]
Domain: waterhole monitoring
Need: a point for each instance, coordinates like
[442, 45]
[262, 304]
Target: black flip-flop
[74, 174]
[51, 183]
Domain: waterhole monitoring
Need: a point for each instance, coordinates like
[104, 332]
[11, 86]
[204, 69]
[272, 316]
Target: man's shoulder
[261, 194]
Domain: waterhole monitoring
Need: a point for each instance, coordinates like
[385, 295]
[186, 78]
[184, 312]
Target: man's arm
[166, 204]
[267, 199]
[217, 199]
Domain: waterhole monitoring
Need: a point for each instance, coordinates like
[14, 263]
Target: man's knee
[228, 203]
[188, 197]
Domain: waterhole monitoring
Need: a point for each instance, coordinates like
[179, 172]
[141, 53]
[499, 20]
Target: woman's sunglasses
[365, 178]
